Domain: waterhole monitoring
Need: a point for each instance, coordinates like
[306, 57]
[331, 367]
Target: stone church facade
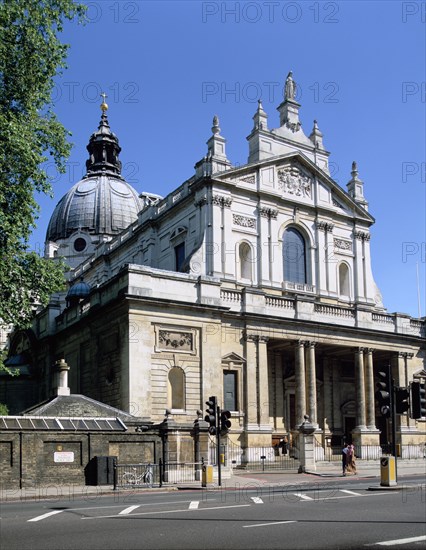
[252, 283]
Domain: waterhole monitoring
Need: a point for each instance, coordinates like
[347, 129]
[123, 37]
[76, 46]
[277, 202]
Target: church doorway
[350, 422]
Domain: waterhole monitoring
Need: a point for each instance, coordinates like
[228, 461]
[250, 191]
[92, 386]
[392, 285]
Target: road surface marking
[169, 511]
[270, 523]
[350, 492]
[303, 496]
[194, 504]
[401, 541]
[257, 500]
[44, 516]
[128, 510]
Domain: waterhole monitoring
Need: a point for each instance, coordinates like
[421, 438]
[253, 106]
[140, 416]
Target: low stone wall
[30, 459]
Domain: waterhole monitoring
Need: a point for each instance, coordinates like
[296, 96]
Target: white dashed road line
[128, 510]
[270, 523]
[194, 504]
[350, 492]
[303, 496]
[257, 500]
[44, 516]
[399, 541]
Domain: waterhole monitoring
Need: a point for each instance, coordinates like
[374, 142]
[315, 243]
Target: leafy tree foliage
[31, 55]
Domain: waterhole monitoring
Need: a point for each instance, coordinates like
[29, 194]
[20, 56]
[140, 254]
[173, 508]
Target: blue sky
[168, 67]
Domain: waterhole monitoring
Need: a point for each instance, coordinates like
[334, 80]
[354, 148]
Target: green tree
[31, 55]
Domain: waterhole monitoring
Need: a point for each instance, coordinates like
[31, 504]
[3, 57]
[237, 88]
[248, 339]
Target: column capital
[369, 350]
[405, 354]
[300, 343]
[250, 337]
[359, 350]
[263, 339]
[310, 344]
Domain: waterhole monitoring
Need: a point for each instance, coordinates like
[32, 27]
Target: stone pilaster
[250, 389]
[263, 388]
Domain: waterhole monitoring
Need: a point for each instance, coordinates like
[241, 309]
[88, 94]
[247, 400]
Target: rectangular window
[230, 390]
[179, 256]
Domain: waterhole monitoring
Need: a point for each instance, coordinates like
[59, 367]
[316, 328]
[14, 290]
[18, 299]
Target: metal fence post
[115, 473]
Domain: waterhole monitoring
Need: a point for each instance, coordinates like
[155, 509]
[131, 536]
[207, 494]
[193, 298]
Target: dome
[78, 292]
[102, 203]
[99, 204]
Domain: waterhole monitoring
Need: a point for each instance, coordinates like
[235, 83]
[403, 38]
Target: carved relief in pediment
[293, 181]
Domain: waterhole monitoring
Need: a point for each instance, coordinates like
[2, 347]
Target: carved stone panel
[244, 221]
[292, 181]
[174, 339]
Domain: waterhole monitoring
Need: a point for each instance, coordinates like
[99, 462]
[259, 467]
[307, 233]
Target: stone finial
[215, 127]
[260, 118]
[356, 187]
[316, 136]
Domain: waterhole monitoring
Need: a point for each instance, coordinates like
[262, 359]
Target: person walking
[345, 451]
[350, 460]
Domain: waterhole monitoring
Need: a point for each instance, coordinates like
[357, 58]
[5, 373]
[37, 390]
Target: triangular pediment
[420, 374]
[233, 358]
[292, 178]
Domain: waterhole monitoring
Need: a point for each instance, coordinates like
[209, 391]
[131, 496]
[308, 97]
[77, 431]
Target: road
[323, 514]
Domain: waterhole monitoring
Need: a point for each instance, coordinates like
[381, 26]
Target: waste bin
[387, 471]
[206, 475]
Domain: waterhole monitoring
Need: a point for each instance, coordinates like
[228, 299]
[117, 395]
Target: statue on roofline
[290, 87]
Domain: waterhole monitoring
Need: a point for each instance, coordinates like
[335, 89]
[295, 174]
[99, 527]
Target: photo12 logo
[117, 12]
[73, 91]
[270, 92]
[269, 12]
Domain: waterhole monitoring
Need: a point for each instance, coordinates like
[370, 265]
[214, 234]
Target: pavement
[238, 479]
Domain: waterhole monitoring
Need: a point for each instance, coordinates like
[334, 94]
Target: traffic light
[211, 416]
[383, 393]
[418, 400]
[401, 400]
[225, 423]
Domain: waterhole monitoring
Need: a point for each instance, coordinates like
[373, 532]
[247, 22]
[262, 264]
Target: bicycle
[132, 478]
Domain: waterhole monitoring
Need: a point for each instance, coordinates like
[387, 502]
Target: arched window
[344, 287]
[245, 257]
[294, 256]
[176, 388]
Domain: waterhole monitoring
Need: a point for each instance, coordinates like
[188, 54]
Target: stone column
[360, 389]
[312, 384]
[263, 382]
[369, 386]
[328, 397]
[337, 414]
[279, 392]
[300, 382]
